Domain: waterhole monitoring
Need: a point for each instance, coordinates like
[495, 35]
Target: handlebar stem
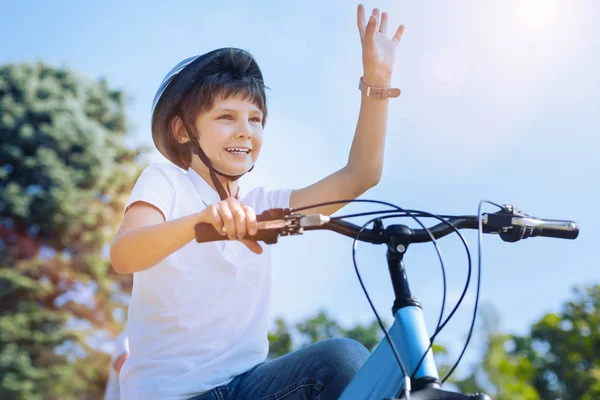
[397, 246]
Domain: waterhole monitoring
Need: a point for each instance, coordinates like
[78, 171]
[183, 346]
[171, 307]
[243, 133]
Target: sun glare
[537, 14]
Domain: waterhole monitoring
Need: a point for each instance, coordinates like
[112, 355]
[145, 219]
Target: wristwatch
[377, 92]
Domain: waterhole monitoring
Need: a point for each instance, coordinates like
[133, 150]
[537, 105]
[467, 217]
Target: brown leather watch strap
[378, 92]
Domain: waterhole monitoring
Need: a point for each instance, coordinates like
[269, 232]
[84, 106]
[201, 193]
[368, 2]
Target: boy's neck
[230, 187]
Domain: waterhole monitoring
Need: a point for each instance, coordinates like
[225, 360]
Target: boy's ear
[178, 130]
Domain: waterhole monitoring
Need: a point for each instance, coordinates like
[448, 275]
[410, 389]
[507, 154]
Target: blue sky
[500, 101]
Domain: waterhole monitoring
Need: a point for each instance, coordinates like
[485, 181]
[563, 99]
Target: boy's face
[230, 126]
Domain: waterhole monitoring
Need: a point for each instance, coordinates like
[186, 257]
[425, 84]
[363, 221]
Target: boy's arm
[364, 166]
[144, 238]
[365, 162]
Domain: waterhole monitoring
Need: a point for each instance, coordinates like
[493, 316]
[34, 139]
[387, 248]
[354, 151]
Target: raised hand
[378, 51]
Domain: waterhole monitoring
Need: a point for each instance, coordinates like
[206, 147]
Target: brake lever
[288, 223]
[503, 223]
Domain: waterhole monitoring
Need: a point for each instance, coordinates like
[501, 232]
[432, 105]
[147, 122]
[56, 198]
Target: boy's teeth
[236, 150]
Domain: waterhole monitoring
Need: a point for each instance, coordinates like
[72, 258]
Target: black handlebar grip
[556, 229]
[526, 227]
[207, 233]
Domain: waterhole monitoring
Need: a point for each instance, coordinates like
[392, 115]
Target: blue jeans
[319, 371]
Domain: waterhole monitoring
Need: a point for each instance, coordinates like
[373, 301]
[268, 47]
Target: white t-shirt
[112, 386]
[200, 317]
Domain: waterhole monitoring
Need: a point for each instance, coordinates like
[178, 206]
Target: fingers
[361, 21]
[370, 30]
[234, 219]
[368, 27]
[252, 246]
[239, 216]
[228, 219]
[371, 26]
[384, 23]
[251, 223]
[376, 15]
[398, 35]
[215, 219]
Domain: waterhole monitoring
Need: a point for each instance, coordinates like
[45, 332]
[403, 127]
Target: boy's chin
[233, 165]
[235, 169]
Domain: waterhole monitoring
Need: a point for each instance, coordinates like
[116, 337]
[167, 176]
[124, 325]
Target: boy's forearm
[366, 155]
[142, 248]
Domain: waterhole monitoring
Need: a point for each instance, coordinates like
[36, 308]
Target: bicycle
[406, 347]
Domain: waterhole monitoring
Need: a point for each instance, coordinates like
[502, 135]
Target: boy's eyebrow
[233, 110]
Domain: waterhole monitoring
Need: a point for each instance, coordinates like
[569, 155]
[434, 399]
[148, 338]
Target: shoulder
[158, 185]
[162, 173]
[165, 169]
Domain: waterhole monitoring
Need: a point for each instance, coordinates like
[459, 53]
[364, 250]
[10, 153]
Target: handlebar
[510, 223]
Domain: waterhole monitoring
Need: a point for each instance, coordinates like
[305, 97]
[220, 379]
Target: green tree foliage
[564, 349]
[280, 341]
[505, 375]
[322, 326]
[559, 359]
[64, 177]
[369, 335]
[316, 328]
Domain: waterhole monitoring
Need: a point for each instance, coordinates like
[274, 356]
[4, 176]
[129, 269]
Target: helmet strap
[196, 149]
[223, 194]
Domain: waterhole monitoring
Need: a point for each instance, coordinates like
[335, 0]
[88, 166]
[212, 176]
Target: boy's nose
[244, 130]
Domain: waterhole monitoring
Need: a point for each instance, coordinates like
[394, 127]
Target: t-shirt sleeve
[154, 187]
[278, 198]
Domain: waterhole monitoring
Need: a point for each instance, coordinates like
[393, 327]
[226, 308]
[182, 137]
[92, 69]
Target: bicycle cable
[479, 258]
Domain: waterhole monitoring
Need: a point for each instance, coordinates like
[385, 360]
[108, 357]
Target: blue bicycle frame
[380, 377]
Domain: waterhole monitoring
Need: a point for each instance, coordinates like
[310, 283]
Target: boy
[198, 315]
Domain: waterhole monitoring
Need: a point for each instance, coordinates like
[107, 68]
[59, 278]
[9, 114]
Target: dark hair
[201, 98]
